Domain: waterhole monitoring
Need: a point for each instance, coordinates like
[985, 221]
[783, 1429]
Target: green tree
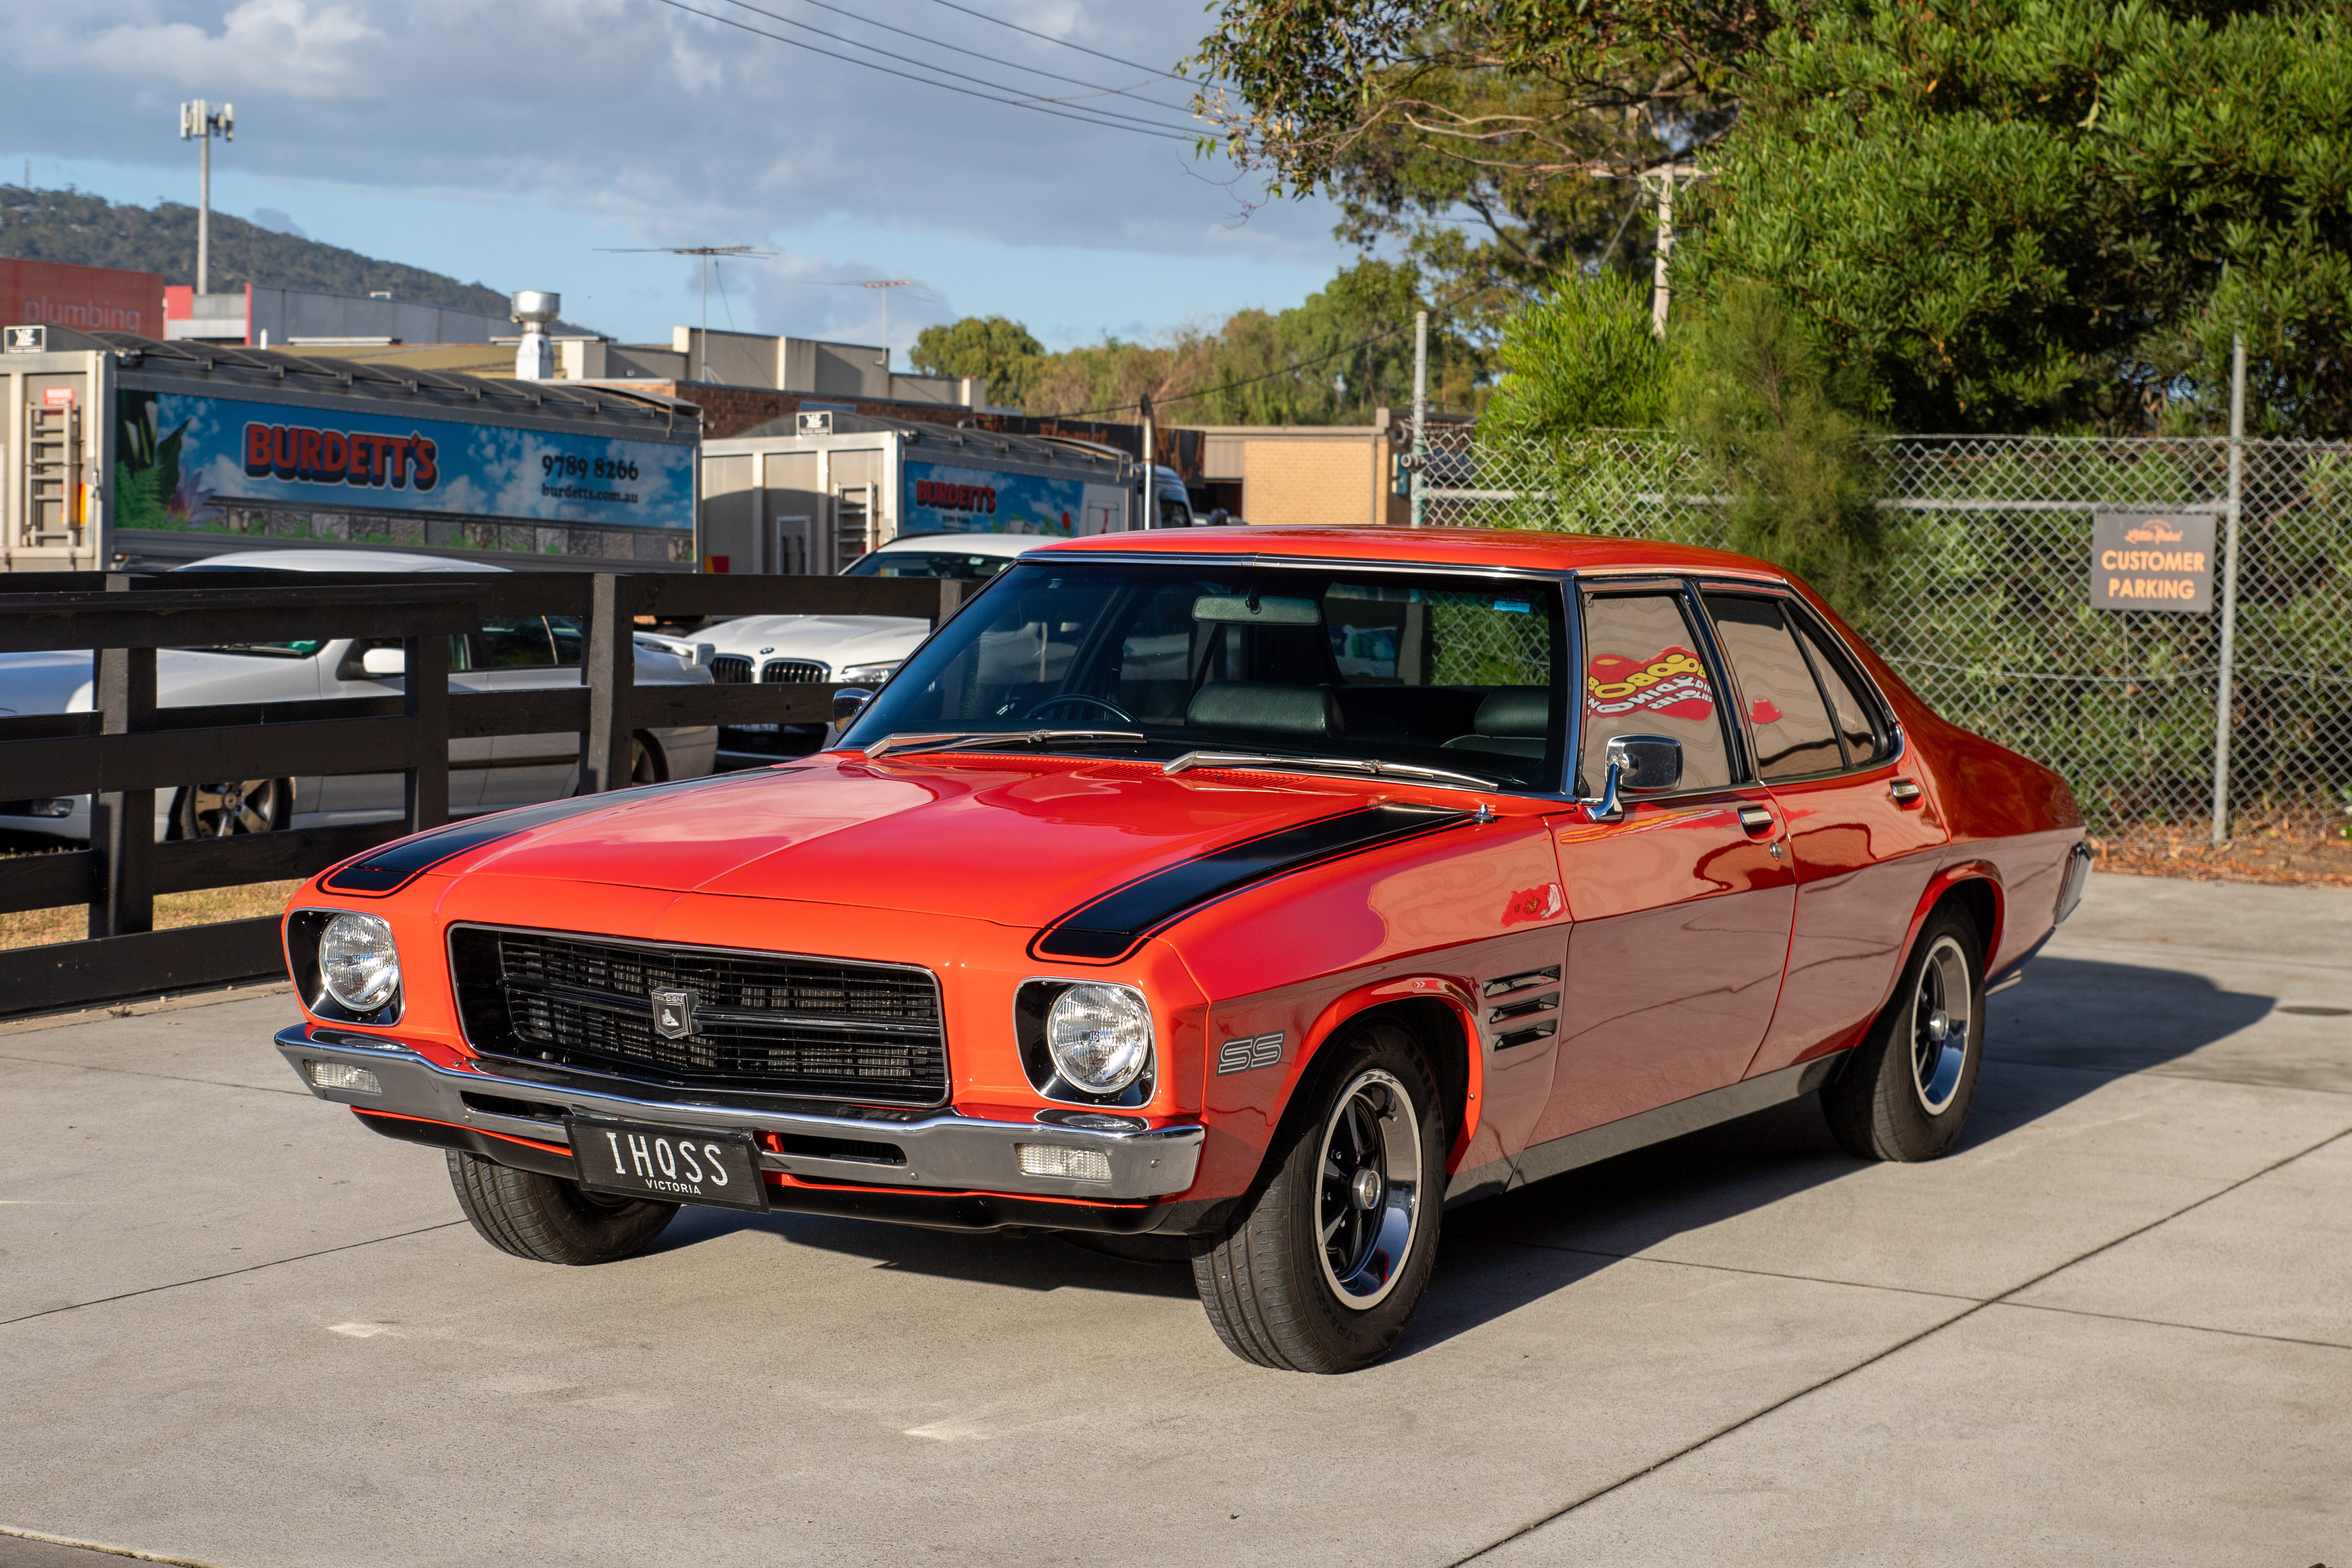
[1584, 357]
[998, 351]
[1755, 393]
[2021, 214]
[1496, 138]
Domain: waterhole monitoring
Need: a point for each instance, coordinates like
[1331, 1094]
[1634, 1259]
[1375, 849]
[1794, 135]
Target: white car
[861, 650]
[508, 653]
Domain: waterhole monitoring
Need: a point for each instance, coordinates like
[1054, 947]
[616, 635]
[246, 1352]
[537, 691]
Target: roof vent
[534, 356]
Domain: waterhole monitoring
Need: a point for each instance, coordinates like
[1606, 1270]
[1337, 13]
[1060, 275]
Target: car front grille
[805, 672]
[730, 670]
[760, 1022]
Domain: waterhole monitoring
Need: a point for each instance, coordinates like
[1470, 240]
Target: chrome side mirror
[1637, 765]
[848, 703]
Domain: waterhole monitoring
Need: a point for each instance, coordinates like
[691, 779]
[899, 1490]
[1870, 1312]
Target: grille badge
[673, 1014]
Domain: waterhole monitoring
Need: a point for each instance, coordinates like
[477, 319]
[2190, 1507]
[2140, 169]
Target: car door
[1861, 835]
[522, 653]
[1682, 904]
[360, 797]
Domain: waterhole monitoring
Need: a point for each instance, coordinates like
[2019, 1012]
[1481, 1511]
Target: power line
[1084, 117]
[975, 54]
[926, 65]
[1065, 42]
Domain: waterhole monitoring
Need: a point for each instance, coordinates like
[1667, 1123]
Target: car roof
[970, 544]
[333, 560]
[1504, 549]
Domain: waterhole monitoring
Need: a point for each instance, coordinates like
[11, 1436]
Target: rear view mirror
[1256, 609]
[1648, 763]
[383, 662]
[1637, 765]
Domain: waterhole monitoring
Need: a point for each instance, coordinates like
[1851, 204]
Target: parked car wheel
[1324, 1268]
[237, 806]
[646, 761]
[550, 1221]
[1905, 1095]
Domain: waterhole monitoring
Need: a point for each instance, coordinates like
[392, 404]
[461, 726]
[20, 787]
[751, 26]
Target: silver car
[508, 653]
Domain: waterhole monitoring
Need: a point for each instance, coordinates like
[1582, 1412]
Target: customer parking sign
[2152, 561]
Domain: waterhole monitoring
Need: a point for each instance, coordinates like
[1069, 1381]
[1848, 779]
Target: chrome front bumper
[944, 1151]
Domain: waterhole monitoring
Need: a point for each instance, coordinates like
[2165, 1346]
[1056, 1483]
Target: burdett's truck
[120, 450]
[813, 492]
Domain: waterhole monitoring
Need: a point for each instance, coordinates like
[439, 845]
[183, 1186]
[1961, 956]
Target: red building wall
[92, 299]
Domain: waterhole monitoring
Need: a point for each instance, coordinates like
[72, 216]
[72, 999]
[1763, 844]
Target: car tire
[1905, 1092]
[1323, 1267]
[232, 809]
[646, 761]
[549, 1219]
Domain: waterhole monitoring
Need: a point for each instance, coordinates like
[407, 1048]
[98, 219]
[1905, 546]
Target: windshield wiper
[1346, 764]
[974, 739]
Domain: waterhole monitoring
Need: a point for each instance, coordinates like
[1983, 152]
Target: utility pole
[200, 122]
[1420, 409]
[1151, 460]
[2222, 693]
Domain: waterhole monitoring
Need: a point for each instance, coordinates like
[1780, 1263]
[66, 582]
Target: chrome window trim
[1897, 741]
[938, 996]
[1736, 749]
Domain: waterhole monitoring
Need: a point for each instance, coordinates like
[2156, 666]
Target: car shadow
[2072, 1027]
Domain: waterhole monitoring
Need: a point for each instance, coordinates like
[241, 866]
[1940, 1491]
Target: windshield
[955, 563]
[1460, 674]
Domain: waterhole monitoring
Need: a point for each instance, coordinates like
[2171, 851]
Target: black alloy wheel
[225, 810]
[1324, 1264]
[1903, 1094]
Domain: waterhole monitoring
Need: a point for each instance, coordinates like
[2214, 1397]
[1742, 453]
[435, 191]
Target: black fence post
[425, 698]
[123, 821]
[609, 666]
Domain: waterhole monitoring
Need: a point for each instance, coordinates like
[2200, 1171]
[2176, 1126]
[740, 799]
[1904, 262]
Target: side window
[515, 642]
[1864, 736]
[1785, 711]
[1644, 676]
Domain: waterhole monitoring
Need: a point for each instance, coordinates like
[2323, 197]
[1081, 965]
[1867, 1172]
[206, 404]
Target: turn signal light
[360, 1081]
[1060, 1160]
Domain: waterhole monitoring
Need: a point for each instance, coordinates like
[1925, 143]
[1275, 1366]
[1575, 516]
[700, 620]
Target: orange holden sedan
[1250, 896]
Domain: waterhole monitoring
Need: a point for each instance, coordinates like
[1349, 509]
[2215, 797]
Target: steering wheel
[1110, 708]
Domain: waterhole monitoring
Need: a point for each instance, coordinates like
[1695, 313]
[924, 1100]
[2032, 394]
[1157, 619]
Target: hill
[91, 231]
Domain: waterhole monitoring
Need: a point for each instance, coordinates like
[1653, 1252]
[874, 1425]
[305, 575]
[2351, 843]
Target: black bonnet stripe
[388, 868]
[1111, 926]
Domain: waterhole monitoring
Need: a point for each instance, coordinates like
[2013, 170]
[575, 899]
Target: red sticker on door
[1671, 683]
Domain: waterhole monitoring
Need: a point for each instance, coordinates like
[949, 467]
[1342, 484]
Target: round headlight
[1100, 1037]
[357, 962]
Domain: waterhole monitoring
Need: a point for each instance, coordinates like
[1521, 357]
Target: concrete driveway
[236, 1328]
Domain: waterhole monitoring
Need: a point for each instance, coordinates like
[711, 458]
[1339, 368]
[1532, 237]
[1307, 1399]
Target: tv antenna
[710, 255]
[884, 284]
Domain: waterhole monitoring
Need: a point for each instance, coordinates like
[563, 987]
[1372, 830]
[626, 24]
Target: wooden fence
[129, 747]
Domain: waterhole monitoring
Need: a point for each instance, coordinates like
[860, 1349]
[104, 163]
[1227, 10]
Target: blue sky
[507, 144]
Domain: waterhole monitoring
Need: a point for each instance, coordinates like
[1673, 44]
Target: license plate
[675, 1165]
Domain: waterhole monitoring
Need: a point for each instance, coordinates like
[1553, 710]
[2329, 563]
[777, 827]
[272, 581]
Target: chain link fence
[1985, 604]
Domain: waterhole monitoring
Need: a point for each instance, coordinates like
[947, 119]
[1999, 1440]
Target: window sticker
[1671, 683]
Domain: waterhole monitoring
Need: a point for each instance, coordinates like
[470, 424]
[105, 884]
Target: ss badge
[1249, 1054]
[673, 1014]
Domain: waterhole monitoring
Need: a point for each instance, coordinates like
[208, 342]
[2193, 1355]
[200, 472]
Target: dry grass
[37, 927]
[2305, 850]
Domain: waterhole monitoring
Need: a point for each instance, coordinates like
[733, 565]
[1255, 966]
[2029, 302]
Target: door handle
[1905, 792]
[1755, 819]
